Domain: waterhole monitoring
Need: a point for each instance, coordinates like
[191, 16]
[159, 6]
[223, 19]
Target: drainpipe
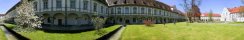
[65, 14]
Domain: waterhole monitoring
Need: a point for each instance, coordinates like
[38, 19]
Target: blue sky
[215, 5]
[5, 5]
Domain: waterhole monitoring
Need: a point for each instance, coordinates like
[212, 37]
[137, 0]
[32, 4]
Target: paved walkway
[8, 35]
[117, 35]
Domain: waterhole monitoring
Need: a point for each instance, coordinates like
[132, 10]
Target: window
[144, 3]
[112, 10]
[45, 4]
[134, 1]
[85, 3]
[165, 14]
[59, 3]
[72, 3]
[119, 10]
[149, 10]
[143, 10]
[35, 7]
[155, 12]
[158, 13]
[126, 10]
[101, 9]
[115, 2]
[95, 7]
[134, 19]
[134, 10]
[124, 1]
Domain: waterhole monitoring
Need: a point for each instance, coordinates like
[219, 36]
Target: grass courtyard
[2, 35]
[181, 31]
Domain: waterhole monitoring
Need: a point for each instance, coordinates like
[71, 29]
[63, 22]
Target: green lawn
[180, 31]
[11, 26]
[89, 35]
[2, 35]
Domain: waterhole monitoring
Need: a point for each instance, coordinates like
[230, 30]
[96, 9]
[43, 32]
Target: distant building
[1, 16]
[205, 17]
[233, 14]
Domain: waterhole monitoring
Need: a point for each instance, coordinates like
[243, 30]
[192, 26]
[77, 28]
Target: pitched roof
[207, 14]
[235, 9]
[150, 3]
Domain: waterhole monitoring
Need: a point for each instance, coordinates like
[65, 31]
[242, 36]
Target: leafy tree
[99, 22]
[187, 6]
[26, 19]
[210, 15]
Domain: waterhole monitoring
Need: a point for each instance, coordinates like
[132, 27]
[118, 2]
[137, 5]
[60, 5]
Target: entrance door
[60, 22]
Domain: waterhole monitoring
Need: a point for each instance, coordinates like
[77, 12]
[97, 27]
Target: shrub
[148, 23]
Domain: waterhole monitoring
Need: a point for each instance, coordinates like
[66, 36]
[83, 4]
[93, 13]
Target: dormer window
[125, 2]
[134, 1]
[115, 2]
[145, 3]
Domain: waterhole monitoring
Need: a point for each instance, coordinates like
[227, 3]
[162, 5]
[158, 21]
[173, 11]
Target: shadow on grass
[18, 36]
[74, 31]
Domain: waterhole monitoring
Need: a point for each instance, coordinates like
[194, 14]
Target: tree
[187, 6]
[26, 19]
[210, 15]
[99, 22]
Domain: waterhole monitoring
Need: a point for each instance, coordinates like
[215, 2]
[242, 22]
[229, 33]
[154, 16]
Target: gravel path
[117, 35]
[8, 35]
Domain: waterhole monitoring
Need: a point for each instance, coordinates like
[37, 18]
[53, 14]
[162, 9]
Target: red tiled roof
[235, 10]
[207, 14]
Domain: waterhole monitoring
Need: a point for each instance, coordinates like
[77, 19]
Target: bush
[148, 22]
